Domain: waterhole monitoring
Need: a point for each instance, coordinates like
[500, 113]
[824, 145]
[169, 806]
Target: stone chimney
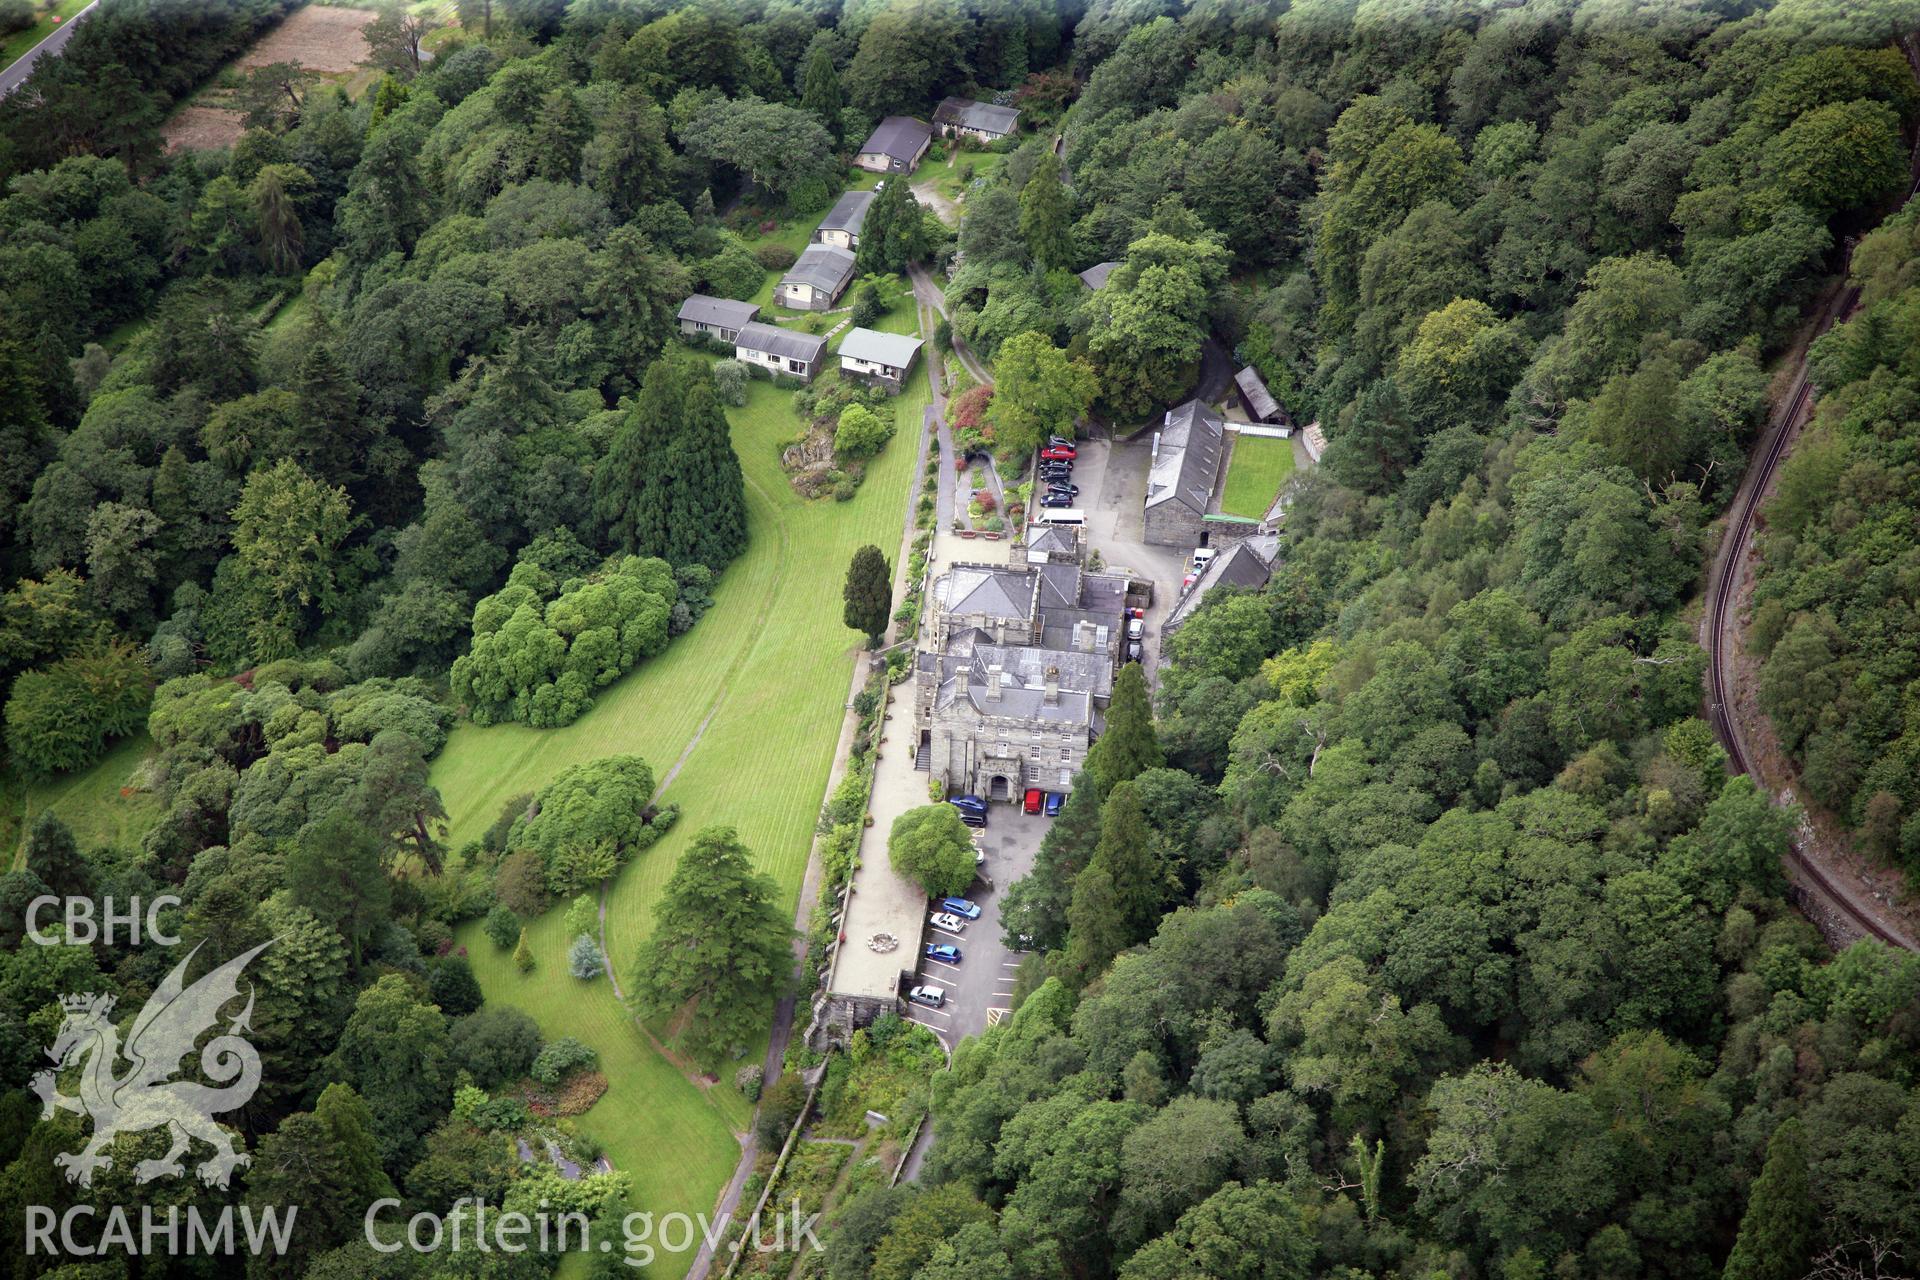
[994, 675]
[1053, 687]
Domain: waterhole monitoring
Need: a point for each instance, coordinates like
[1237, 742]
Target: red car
[1058, 451]
[1033, 800]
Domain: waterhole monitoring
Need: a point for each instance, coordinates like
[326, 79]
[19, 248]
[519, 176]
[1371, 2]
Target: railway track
[1813, 885]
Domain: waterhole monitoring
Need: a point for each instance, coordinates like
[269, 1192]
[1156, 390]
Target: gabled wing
[176, 1014]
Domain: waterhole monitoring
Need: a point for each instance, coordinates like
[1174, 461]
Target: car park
[961, 907]
[1054, 799]
[946, 920]
[944, 952]
[930, 996]
[1032, 804]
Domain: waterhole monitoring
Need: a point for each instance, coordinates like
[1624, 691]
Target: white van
[1060, 515]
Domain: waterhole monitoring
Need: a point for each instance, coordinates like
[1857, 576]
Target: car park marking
[1013, 964]
[927, 1008]
[994, 1016]
[928, 1025]
[948, 933]
[943, 964]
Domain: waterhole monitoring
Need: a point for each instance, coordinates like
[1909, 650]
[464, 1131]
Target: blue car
[1053, 804]
[960, 907]
[974, 803]
[945, 952]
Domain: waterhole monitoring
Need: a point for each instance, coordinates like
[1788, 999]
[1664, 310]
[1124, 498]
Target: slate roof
[724, 312]
[968, 114]
[1095, 276]
[784, 343]
[824, 266]
[895, 349]
[1248, 564]
[997, 593]
[1052, 537]
[1258, 398]
[1020, 698]
[849, 212]
[898, 136]
[1187, 457]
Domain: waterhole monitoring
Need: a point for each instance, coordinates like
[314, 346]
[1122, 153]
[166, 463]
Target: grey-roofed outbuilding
[1257, 400]
[981, 119]
[1095, 276]
[895, 145]
[816, 279]
[1186, 466]
[841, 226]
[782, 350]
[721, 317]
[872, 354]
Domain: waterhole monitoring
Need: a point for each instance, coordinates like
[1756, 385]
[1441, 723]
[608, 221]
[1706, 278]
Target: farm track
[1815, 887]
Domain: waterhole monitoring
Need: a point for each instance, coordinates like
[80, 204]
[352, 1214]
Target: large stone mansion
[1012, 684]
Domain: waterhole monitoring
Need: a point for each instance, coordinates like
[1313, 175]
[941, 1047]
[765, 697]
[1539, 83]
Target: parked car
[967, 802]
[974, 818]
[1136, 627]
[1059, 442]
[1032, 804]
[1051, 469]
[930, 996]
[944, 952]
[1054, 799]
[1056, 500]
[1063, 488]
[1133, 651]
[946, 920]
[961, 907]
[1059, 451]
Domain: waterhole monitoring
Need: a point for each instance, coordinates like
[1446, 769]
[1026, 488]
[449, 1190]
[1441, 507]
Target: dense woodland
[1412, 927]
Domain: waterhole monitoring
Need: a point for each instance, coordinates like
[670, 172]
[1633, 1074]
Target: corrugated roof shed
[1259, 400]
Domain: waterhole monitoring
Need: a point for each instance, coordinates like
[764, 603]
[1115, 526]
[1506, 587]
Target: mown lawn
[766, 673]
[97, 802]
[1256, 471]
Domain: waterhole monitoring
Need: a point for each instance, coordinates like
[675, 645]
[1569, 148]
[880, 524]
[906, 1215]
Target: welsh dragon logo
[146, 1096]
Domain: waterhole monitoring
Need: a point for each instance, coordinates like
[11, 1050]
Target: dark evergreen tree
[708, 503]
[55, 857]
[822, 94]
[894, 233]
[1046, 215]
[719, 948]
[869, 593]
[1780, 1226]
[1128, 747]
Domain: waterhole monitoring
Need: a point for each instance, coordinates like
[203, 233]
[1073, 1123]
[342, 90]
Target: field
[97, 803]
[322, 38]
[1255, 472]
[740, 720]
